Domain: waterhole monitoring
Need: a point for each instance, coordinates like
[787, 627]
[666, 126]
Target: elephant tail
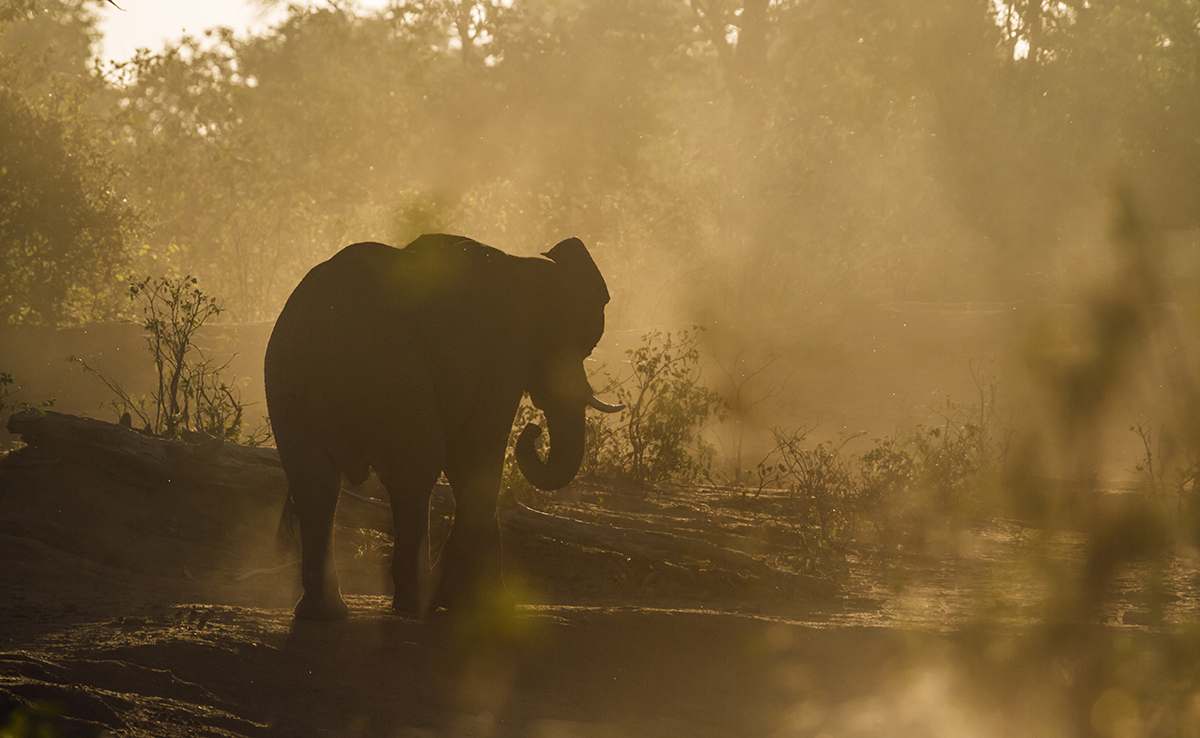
[287, 535]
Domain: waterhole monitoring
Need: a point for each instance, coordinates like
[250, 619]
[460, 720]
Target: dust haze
[854, 200]
[893, 220]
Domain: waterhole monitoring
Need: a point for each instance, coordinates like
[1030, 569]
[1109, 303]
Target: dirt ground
[167, 612]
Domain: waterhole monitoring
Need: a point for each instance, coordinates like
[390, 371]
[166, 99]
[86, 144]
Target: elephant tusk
[604, 407]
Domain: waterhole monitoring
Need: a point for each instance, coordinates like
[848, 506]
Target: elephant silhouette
[413, 362]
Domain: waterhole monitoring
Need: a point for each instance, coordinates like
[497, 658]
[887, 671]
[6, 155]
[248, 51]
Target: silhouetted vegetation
[191, 394]
[658, 436]
[9, 405]
[897, 492]
[757, 162]
[64, 232]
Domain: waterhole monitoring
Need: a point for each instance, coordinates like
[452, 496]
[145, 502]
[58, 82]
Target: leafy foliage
[1170, 474]
[63, 231]
[768, 162]
[666, 408]
[172, 312]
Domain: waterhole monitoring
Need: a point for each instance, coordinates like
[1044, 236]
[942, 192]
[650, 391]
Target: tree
[64, 230]
[764, 162]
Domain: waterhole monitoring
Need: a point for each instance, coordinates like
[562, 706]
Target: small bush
[963, 456]
[885, 472]
[896, 491]
[1168, 468]
[603, 453]
[191, 395]
[657, 437]
[820, 493]
[950, 469]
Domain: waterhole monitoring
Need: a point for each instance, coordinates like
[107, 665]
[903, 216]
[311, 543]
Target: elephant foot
[321, 608]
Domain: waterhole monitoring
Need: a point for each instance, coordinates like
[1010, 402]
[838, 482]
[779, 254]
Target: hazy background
[861, 196]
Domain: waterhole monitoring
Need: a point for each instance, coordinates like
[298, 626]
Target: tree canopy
[757, 160]
[65, 231]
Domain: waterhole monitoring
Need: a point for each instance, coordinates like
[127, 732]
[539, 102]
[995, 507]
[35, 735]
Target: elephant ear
[579, 270]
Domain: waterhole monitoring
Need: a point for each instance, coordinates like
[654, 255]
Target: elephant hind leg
[314, 481]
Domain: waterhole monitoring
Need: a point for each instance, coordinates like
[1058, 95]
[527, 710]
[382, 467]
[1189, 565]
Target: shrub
[657, 437]
[603, 454]
[897, 490]
[958, 459]
[885, 471]
[820, 492]
[172, 312]
[1167, 466]
[190, 394]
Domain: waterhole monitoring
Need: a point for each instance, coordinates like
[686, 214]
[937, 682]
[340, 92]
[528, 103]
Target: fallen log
[147, 460]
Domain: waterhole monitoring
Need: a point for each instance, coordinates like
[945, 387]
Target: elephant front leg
[314, 485]
[469, 568]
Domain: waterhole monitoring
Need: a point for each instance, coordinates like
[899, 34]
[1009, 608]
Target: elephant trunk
[566, 449]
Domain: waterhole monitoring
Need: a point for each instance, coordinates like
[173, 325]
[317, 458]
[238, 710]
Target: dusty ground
[167, 612]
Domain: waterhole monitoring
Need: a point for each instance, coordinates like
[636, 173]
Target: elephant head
[572, 322]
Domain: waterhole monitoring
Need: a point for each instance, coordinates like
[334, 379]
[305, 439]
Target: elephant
[413, 362]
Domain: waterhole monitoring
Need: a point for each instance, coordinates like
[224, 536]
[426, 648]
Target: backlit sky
[149, 23]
